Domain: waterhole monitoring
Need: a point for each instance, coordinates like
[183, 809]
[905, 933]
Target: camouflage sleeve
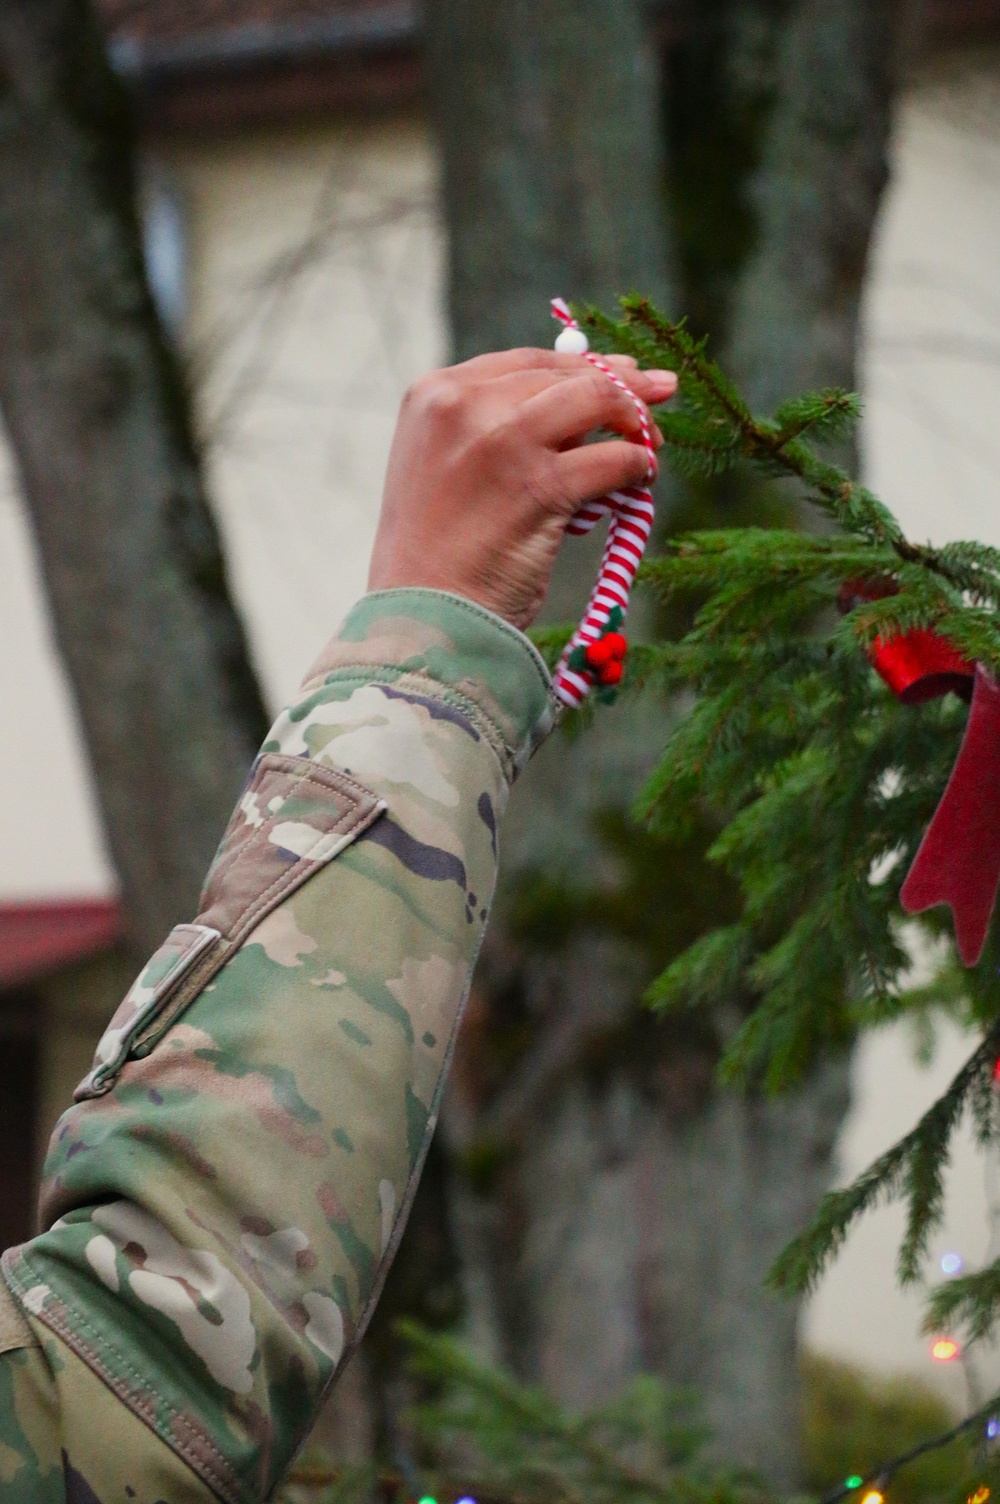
[222, 1202]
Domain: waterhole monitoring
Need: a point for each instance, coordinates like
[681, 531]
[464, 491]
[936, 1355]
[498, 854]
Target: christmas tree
[817, 780]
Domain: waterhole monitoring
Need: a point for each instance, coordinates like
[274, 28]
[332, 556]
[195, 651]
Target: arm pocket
[293, 818]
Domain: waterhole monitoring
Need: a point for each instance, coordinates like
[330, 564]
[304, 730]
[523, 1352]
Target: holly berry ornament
[595, 654]
[603, 660]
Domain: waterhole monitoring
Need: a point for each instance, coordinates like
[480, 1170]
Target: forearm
[220, 1217]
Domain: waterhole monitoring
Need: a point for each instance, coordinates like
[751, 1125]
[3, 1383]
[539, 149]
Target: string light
[427, 1499]
[980, 1496]
[945, 1350]
[466, 1501]
[951, 1263]
[873, 1497]
[854, 1481]
[993, 1429]
[986, 1414]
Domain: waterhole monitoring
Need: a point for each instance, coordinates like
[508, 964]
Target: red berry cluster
[605, 658]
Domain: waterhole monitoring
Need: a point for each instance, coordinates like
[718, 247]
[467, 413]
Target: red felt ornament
[917, 665]
[920, 665]
[958, 862]
[617, 644]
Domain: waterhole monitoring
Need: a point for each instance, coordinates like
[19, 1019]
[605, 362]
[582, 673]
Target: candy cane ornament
[595, 653]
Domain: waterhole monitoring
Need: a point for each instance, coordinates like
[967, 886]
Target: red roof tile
[37, 939]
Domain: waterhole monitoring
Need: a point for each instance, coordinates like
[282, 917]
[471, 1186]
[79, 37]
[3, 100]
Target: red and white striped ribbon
[631, 514]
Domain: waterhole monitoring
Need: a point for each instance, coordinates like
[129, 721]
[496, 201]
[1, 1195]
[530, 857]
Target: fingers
[502, 362]
[520, 384]
[660, 384]
[569, 409]
[652, 386]
[595, 469]
[515, 388]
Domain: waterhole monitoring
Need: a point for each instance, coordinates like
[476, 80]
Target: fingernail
[664, 381]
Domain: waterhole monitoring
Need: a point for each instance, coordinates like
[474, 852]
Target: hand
[489, 464]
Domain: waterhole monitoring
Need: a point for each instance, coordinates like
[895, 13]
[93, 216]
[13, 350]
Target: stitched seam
[133, 1402]
[259, 838]
[293, 877]
[184, 969]
[510, 632]
[298, 768]
[282, 887]
[387, 673]
[438, 690]
[196, 981]
[343, 826]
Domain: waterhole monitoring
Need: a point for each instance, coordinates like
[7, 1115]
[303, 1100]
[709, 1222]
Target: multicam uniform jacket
[222, 1202]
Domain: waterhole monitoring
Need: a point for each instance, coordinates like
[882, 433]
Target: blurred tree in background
[96, 409]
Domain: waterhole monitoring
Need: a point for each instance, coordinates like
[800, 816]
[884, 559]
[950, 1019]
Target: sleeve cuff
[459, 645]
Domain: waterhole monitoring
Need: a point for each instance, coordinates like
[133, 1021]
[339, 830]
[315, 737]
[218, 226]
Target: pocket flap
[293, 818]
[162, 973]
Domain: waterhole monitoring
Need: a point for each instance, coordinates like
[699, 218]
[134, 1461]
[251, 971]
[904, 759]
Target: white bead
[572, 342]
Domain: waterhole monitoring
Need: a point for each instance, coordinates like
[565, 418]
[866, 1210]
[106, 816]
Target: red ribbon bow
[958, 862]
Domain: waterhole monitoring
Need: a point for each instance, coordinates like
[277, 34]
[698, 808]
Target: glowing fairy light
[993, 1429]
[945, 1350]
[951, 1263]
[980, 1496]
[854, 1481]
[873, 1497]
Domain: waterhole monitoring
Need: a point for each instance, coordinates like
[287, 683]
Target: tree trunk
[96, 411]
[814, 196]
[615, 1213]
[548, 118]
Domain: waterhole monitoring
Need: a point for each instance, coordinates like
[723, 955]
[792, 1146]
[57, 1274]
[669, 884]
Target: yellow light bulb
[873, 1497]
[944, 1350]
[980, 1496]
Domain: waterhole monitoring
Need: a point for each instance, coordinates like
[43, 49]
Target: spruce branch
[644, 1447]
[912, 1166]
[969, 1301]
[729, 428]
[818, 782]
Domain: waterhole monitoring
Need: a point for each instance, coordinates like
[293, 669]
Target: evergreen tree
[817, 781]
